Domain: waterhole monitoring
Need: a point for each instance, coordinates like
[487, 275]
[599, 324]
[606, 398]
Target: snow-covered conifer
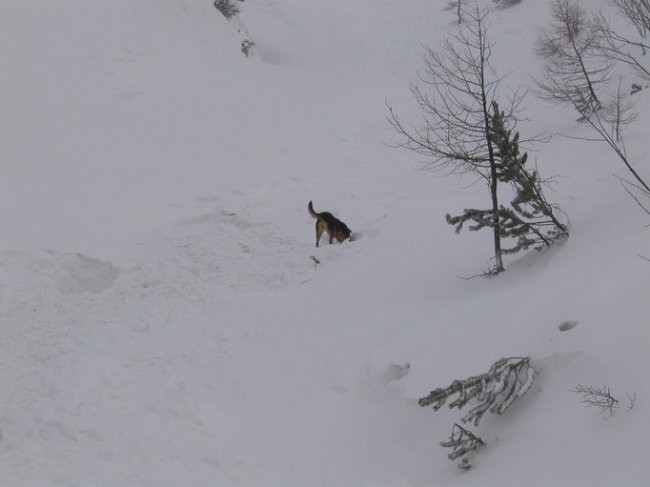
[462, 442]
[227, 8]
[507, 380]
[529, 219]
[506, 3]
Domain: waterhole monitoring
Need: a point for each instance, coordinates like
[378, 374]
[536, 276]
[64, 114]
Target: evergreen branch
[494, 391]
[462, 441]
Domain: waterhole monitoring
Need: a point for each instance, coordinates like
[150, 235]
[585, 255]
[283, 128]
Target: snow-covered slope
[162, 322]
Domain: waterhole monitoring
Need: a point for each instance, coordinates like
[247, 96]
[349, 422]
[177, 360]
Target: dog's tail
[310, 207]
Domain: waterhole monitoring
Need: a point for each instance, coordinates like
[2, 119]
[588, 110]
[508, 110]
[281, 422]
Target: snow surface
[162, 323]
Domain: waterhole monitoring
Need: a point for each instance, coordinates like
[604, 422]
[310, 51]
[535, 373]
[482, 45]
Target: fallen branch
[462, 442]
[599, 397]
[495, 391]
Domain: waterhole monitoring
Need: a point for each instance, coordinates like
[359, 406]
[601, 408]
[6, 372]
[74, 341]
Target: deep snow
[162, 322]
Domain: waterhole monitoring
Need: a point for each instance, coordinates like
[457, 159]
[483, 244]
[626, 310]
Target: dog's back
[328, 223]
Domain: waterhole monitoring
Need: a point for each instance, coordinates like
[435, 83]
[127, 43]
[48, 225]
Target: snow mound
[68, 273]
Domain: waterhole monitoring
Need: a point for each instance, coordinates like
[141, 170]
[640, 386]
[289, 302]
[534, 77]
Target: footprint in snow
[567, 325]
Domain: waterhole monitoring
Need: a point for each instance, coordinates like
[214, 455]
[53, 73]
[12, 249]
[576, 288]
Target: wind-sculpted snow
[117, 323]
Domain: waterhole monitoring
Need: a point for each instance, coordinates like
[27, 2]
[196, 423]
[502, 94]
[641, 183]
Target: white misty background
[162, 322]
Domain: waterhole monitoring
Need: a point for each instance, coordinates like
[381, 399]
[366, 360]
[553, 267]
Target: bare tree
[580, 57]
[455, 94]
[613, 45]
[619, 48]
[609, 124]
[572, 72]
[636, 12]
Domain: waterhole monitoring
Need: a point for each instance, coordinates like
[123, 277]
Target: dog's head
[343, 234]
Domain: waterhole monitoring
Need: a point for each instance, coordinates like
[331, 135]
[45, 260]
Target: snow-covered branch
[507, 380]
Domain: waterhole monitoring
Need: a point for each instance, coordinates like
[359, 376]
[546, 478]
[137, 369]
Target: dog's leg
[320, 227]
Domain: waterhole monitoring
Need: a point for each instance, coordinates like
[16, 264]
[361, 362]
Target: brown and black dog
[326, 222]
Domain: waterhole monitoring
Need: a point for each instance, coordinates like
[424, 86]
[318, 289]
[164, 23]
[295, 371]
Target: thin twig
[598, 397]
[631, 401]
[624, 182]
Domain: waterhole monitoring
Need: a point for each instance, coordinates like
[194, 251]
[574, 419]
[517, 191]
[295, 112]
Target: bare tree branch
[580, 56]
[627, 186]
[614, 46]
[636, 12]
[570, 76]
[599, 397]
